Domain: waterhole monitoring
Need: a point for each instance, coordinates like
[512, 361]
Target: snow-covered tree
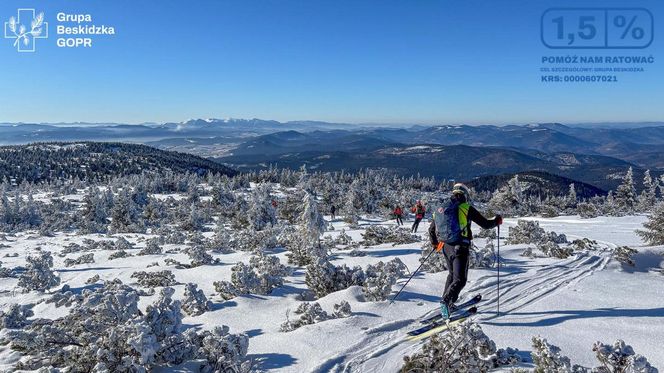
[464, 349]
[587, 210]
[323, 277]
[16, 316]
[304, 242]
[125, 215]
[195, 302]
[263, 274]
[94, 215]
[620, 357]
[151, 248]
[83, 259]
[509, 198]
[261, 213]
[624, 255]
[571, 197]
[626, 197]
[342, 310]
[378, 234]
[616, 358]
[154, 279]
[38, 274]
[308, 313]
[193, 222]
[548, 358]
[648, 197]
[106, 332]
[199, 256]
[653, 234]
[224, 352]
[312, 220]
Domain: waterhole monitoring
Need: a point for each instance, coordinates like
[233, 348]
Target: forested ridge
[95, 161]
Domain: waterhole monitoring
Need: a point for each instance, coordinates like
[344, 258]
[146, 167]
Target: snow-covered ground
[572, 302]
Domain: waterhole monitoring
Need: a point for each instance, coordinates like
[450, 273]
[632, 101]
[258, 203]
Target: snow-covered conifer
[193, 221]
[151, 248]
[94, 215]
[125, 216]
[122, 244]
[154, 279]
[624, 254]
[83, 259]
[195, 302]
[16, 316]
[312, 220]
[620, 357]
[509, 198]
[571, 198]
[38, 274]
[378, 234]
[653, 232]
[308, 313]
[380, 277]
[626, 197]
[342, 310]
[261, 213]
[164, 316]
[323, 277]
[648, 197]
[199, 256]
[548, 358]
[224, 352]
[587, 210]
[464, 349]
[119, 254]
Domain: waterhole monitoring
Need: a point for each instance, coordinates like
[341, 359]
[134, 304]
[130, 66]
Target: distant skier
[450, 233]
[398, 213]
[332, 211]
[419, 211]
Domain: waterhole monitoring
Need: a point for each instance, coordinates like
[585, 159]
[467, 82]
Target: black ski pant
[456, 257]
[415, 225]
[399, 221]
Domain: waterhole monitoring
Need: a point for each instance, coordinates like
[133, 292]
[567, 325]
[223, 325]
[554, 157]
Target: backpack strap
[464, 208]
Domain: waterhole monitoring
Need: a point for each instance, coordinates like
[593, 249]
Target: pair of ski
[436, 324]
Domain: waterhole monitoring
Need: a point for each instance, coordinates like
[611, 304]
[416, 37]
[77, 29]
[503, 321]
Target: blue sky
[338, 60]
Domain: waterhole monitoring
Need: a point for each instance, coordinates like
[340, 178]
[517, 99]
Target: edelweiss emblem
[24, 38]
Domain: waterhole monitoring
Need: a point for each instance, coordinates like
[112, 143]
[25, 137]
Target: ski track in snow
[517, 290]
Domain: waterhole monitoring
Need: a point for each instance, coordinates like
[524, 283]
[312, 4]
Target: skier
[419, 211]
[332, 211]
[457, 246]
[398, 213]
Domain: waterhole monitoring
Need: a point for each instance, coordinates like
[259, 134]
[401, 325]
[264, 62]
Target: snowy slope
[572, 302]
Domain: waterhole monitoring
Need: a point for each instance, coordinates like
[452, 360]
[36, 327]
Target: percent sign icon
[597, 28]
[637, 32]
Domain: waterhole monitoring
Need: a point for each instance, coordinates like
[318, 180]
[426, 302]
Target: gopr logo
[25, 29]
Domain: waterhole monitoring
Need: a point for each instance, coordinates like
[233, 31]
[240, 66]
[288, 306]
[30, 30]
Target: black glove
[498, 219]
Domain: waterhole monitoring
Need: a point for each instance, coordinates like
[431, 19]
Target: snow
[573, 302]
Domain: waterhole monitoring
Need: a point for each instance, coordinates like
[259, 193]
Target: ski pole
[498, 270]
[411, 276]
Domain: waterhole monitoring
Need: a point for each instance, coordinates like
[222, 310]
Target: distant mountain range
[593, 154]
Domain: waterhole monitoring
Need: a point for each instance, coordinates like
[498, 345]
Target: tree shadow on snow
[253, 332]
[644, 262]
[221, 305]
[391, 252]
[557, 317]
[410, 296]
[272, 360]
[87, 269]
